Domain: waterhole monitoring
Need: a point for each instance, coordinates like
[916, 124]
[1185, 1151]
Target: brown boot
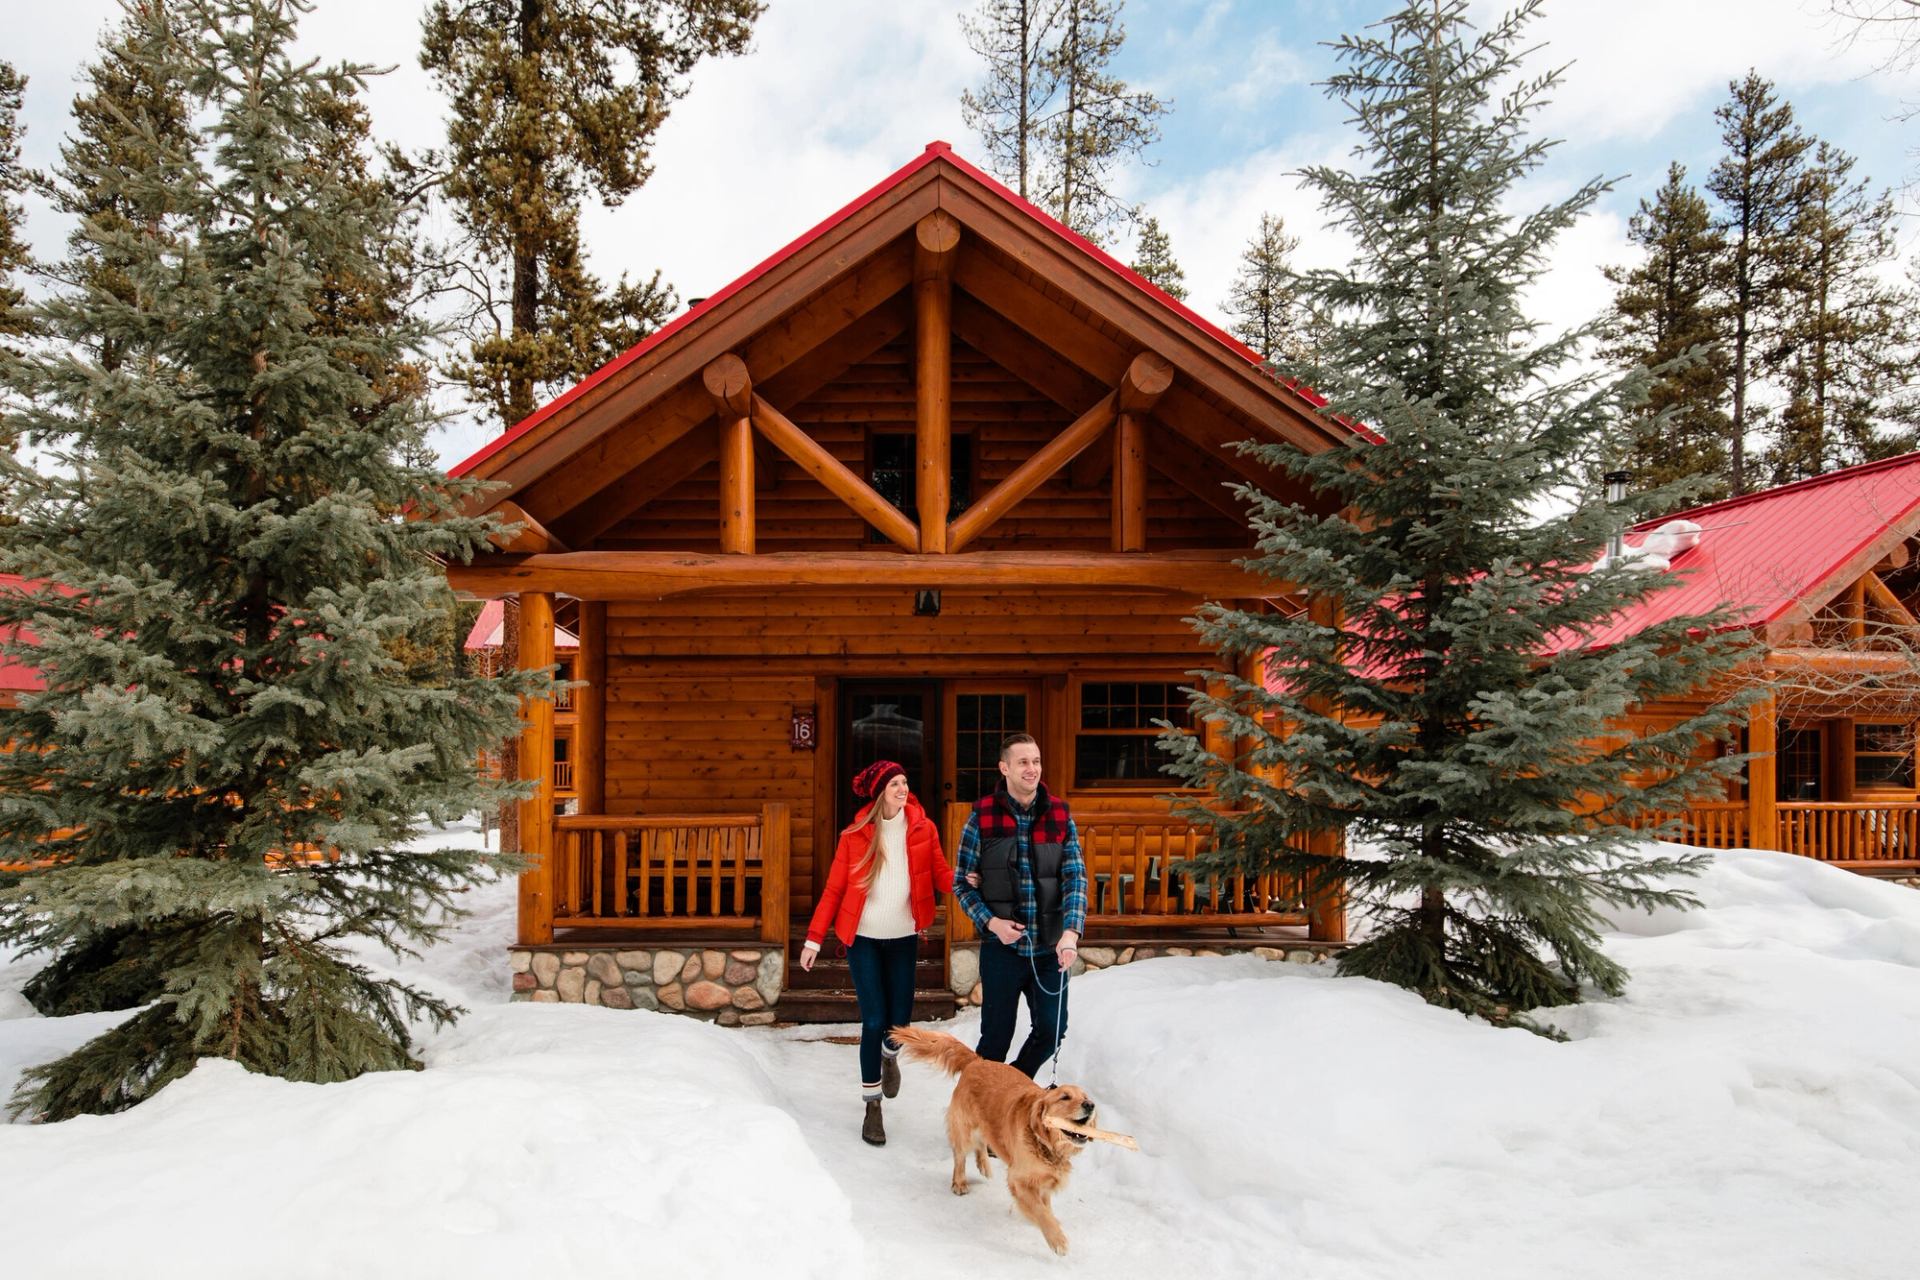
[890, 1075]
[873, 1132]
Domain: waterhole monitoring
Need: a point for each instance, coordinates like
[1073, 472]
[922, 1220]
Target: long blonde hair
[876, 858]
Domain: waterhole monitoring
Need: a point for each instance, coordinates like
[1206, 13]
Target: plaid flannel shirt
[1073, 881]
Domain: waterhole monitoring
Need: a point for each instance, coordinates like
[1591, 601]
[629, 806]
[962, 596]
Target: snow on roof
[935, 150]
[488, 628]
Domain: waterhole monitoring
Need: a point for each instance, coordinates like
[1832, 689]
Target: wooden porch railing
[1717, 824]
[684, 872]
[1858, 834]
[563, 775]
[1137, 876]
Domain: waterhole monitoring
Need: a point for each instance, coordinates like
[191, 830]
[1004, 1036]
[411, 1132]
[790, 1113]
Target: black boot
[873, 1132]
[890, 1075]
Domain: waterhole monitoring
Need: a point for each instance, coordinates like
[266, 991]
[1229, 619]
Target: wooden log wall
[1008, 421]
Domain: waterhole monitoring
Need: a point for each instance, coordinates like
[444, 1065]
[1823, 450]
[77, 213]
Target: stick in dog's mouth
[1081, 1133]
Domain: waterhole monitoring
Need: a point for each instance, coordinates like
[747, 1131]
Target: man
[1030, 905]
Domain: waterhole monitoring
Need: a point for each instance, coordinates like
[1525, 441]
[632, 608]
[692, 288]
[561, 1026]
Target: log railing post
[536, 766]
[1763, 805]
[728, 382]
[936, 237]
[590, 738]
[1327, 907]
[775, 870]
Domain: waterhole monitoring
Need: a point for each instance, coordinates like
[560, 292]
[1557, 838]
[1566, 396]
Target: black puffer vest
[1000, 858]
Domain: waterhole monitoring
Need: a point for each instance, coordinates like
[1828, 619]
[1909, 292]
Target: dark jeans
[1006, 976]
[883, 979]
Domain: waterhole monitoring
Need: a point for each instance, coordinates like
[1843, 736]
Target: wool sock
[870, 1092]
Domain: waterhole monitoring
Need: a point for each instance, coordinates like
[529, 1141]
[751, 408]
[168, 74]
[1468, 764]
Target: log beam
[640, 575]
[590, 737]
[531, 538]
[935, 239]
[827, 469]
[1031, 474]
[728, 382]
[1763, 806]
[1890, 604]
[536, 767]
[1327, 902]
[1146, 378]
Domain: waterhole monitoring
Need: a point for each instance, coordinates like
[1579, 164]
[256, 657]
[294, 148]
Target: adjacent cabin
[937, 472]
[1824, 573]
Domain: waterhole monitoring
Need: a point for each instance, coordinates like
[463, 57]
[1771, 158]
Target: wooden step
[928, 975]
[841, 1005]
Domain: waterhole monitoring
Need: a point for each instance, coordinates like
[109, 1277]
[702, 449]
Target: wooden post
[530, 538]
[1326, 909]
[936, 237]
[728, 382]
[1129, 483]
[775, 870]
[1763, 805]
[536, 766]
[590, 737]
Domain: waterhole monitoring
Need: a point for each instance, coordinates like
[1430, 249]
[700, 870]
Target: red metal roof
[1762, 553]
[934, 151]
[16, 677]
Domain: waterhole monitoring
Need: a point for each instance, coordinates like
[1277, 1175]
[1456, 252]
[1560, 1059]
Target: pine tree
[1100, 122]
[1759, 183]
[1844, 353]
[1667, 316]
[13, 250]
[1451, 717]
[1014, 37]
[229, 756]
[553, 100]
[1264, 299]
[1153, 259]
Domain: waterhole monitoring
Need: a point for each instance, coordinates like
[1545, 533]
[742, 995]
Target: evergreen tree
[1264, 299]
[1055, 121]
[13, 250]
[1451, 717]
[1153, 259]
[1759, 183]
[1101, 121]
[124, 120]
[1014, 37]
[1667, 317]
[229, 756]
[553, 100]
[1844, 352]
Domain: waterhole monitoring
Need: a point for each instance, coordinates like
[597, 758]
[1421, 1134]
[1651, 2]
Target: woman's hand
[973, 879]
[807, 955]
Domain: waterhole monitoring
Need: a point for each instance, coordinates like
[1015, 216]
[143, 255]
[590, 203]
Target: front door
[887, 720]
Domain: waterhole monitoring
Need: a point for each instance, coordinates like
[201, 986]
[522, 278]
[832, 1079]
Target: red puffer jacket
[845, 896]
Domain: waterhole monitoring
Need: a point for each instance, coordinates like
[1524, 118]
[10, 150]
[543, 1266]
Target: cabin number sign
[803, 731]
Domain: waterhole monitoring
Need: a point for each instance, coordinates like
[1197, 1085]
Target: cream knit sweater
[888, 912]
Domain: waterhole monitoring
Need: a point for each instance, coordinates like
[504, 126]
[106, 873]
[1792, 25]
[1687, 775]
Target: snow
[1751, 1107]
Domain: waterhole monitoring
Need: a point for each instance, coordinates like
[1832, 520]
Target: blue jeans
[1005, 977]
[883, 980]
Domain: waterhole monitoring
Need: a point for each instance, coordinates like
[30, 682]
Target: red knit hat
[867, 783]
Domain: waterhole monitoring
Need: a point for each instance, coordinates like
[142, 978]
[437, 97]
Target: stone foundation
[735, 986]
[963, 970]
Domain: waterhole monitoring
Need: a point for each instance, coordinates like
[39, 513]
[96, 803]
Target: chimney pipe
[1616, 482]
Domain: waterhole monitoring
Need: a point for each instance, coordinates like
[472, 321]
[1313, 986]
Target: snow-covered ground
[1751, 1108]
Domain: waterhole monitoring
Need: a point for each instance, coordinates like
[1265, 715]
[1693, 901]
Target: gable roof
[842, 245]
[489, 628]
[1777, 556]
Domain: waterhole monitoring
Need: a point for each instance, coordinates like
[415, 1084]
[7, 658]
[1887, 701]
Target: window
[1883, 756]
[1116, 745]
[891, 459]
[1798, 771]
[981, 722]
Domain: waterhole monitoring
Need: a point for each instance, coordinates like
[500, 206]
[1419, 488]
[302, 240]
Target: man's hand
[1067, 948]
[1007, 931]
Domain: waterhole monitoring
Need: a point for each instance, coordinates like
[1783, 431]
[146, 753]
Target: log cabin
[1823, 573]
[938, 471]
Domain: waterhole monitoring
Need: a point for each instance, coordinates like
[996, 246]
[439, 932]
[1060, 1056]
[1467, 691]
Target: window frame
[1158, 784]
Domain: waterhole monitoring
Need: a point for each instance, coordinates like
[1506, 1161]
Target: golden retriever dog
[996, 1108]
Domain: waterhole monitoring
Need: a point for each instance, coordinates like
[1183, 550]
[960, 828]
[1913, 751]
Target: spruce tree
[1667, 316]
[230, 754]
[1264, 298]
[1760, 183]
[1153, 259]
[552, 101]
[13, 250]
[1452, 720]
[1843, 354]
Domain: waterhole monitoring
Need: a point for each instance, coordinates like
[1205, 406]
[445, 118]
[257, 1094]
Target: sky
[836, 94]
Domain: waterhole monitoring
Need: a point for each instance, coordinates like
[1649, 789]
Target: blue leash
[1059, 1014]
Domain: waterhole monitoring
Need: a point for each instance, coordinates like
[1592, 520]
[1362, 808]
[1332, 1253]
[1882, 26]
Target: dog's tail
[937, 1047]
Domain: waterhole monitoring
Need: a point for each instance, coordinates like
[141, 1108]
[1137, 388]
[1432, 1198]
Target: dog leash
[1059, 1015]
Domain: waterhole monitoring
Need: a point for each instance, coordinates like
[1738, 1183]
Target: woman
[879, 896]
